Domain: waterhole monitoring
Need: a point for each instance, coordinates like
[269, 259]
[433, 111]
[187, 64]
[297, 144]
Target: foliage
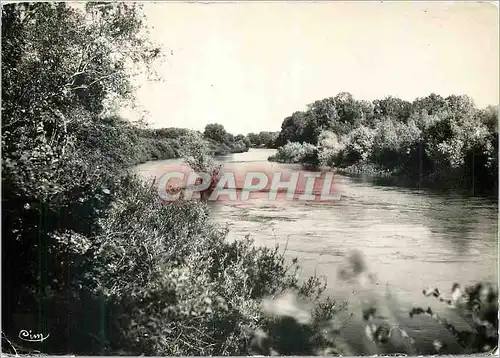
[158, 144]
[216, 132]
[329, 148]
[222, 142]
[339, 114]
[478, 306]
[263, 139]
[98, 258]
[392, 107]
[62, 70]
[439, 139]
[166, 143]
[195, 152]
[358, 144]
[173, 281]
[305, 153]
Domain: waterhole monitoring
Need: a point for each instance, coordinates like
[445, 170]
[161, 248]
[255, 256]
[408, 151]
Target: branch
[29, 13]
[93, 82]
[61, 116]
[10, 343]
[83, 56]
[80, 70]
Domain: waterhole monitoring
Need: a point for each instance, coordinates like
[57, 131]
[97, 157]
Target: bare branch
[80, 70]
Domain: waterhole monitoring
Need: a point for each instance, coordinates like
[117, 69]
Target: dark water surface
[411, 239]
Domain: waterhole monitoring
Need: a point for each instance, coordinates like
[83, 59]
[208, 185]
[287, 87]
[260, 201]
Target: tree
[267, 139]
[443, 139]
[340, 114]
[62, 68]
[292, 129]
[215, 132]
[264, 138]
[246, 141]
[252, 138]
[358, 144]
[195, 152]
[392, 107]
[431, 104]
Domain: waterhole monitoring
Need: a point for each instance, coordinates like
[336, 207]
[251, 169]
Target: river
[411, 238]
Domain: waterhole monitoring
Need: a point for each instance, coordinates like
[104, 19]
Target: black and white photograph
[249, 178]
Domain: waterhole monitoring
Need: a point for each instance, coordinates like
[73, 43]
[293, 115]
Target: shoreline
[445, 182]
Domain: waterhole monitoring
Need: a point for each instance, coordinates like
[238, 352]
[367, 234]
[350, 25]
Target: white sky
[249, 65]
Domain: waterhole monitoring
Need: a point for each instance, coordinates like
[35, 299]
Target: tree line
[164, 143]
[432, 139]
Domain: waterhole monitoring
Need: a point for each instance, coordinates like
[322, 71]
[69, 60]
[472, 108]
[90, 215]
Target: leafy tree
[196, 153]
[252, 138]
[431, 104]
[173, 133]
[215, 132]
[329, 148]
[267, 138]
[292, 129]
[340, 114]
[392, 107]
[245, 140]
[62, 69]
[264, 138]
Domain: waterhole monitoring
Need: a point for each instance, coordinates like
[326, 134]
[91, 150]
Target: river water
[411, 239]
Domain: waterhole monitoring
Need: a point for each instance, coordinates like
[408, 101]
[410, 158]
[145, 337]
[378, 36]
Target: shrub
[294, 152]
[178, 287]
[329, 148]
[357, 145]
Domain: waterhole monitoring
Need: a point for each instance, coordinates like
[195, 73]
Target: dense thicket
[432, 139]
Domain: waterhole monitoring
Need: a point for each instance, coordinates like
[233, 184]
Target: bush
[357, 145]
[294, 152]
[329, 148]
[178, 288]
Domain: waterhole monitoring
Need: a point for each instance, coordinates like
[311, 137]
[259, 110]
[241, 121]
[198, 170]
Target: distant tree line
[222, 142]
[263, 139]
[433, 138]
[164, 143]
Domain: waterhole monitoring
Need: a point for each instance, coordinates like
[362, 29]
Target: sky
[248, 65]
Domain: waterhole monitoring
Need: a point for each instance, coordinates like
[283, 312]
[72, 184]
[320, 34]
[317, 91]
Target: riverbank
[442, 181]
[168, 148]
[436, 182]
[365, 169]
